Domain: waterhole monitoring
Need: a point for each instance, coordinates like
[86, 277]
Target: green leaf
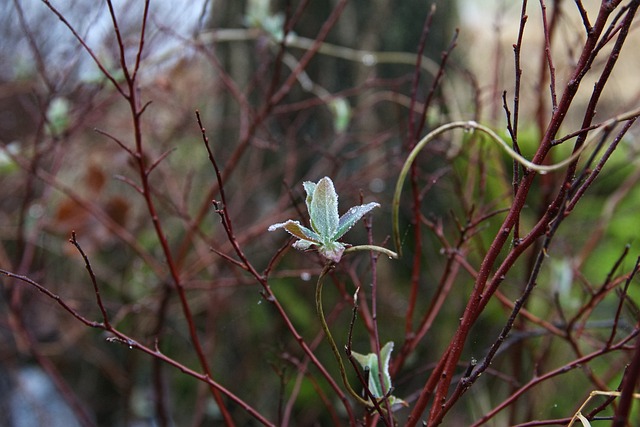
[298, 230]
[324, 209]
[7, 164]
[303, 245]
[370, 362]
[352, 216]
[58, 116]
[341, 114]
[310, 188]
[326, 225]
[332, 251]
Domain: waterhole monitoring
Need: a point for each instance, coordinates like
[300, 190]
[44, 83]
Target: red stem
[440, 379]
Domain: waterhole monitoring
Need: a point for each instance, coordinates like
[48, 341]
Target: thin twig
[94, 282]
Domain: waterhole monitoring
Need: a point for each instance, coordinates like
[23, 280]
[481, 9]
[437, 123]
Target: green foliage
[326, 224]
[212, 303]
[58, 116]
[7, 165]
[370, 364]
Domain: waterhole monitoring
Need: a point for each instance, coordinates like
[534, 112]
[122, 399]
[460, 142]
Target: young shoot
[327, 227]
[369, 362]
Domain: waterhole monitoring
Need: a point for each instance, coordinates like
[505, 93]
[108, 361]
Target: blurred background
[347, 115]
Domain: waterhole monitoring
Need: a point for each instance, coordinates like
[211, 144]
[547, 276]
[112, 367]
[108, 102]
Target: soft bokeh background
[345, 117]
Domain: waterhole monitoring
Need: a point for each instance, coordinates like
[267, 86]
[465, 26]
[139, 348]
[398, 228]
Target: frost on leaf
[369, 362]
[326, 224]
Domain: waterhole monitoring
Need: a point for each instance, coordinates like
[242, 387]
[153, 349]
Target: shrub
[499, 263]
